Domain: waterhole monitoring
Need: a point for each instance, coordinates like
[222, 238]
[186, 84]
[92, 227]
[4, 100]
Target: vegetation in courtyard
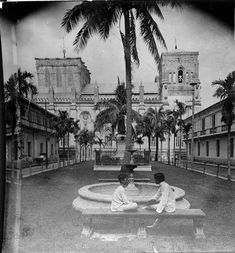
[100, 17]
[18, 86]
[226, 92]
[186, 129]
[181, 108]
[64, 125]
[112, 112]
[85, 138]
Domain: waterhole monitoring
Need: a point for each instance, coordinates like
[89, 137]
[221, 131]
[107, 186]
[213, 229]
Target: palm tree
[61, 127]
[100, 17]
[157, 123]
[181, 107]
[85, 137]
[144, 128]
[72, 127]
[169, 124]
[226, 92]
[186, 128]
[174, 130]
[18, 86]
[113, 112]
[99, 141]
[139, 140]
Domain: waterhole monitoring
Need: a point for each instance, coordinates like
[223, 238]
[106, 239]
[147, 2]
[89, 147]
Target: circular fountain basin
[100, 195]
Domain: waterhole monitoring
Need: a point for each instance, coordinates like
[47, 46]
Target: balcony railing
[203, 132]
[224, 128]
[213, 130]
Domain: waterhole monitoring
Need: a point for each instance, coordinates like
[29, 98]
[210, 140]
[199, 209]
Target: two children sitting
[163, 200]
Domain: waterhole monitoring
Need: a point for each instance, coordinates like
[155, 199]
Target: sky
[40, 35]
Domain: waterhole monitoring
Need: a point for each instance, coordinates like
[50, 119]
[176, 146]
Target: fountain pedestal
[131, 189]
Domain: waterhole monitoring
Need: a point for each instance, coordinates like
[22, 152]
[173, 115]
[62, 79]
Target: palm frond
[134, 51]
[149, 29]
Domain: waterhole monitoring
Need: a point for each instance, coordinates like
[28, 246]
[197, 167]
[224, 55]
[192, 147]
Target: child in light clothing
[165, 195]
[120, 201]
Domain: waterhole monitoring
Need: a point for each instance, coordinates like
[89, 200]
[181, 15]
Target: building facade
[34, 136]
[210, 136]
[64, 84]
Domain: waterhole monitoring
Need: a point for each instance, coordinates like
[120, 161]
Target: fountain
[100, 195]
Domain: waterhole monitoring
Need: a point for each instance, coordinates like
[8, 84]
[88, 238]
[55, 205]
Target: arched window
[180, 76]
[47, 77]
[174, 77]
[187, 79]
[70, 77]
[169, 78]
[58, 76]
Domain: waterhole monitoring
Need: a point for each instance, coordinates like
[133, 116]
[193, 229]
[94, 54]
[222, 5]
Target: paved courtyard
[48, 222]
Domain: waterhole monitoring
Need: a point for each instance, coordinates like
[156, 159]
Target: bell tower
[177, 70]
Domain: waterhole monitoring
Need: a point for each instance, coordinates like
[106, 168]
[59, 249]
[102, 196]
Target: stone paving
[48, 223]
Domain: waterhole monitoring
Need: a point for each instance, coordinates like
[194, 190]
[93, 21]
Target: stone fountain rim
[85, 193]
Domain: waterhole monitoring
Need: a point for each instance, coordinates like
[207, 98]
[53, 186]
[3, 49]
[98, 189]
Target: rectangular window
[207, 148]
[213, 120]
[198, 148]
[41, 147]
[52, 149]
[217, 148]
[29, 148]
[189, 148]
[231, 148]
[203, 124]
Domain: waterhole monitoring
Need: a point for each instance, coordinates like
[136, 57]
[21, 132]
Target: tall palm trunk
[174, 149]
[156, 153]
[186, 165]
[228, 152]
[68, 147]
[127, 54]
[149, 143]
[63, 150]
[168, 149]
[161, 150]
[13, 141]
[180, 140]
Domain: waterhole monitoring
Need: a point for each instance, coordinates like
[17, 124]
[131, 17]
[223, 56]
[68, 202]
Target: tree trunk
[174, 149]
[168, 149]
[228, 153]
[180, 140]
[149, 141]
[127, 53]
[156, 153]
[12, 154]
[161, 150]
[186, 152]
[68, 148]
[63, 150]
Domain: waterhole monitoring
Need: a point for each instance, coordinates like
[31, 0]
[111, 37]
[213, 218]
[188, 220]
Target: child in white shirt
[120, 201]
[165, 195]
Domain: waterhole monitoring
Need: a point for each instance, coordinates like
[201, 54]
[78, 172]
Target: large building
[34, 136]
[64, 84]
[210, 136]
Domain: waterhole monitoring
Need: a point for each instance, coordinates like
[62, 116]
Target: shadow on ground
[48, 223]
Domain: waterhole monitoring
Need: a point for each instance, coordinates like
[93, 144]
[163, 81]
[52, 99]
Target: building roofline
[207, 108]
[32, 103]
[180, 52]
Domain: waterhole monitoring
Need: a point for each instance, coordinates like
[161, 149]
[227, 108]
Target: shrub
[138, 159]
[107, 160]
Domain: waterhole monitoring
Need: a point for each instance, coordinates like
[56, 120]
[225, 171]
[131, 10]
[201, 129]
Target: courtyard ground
[49, 224]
